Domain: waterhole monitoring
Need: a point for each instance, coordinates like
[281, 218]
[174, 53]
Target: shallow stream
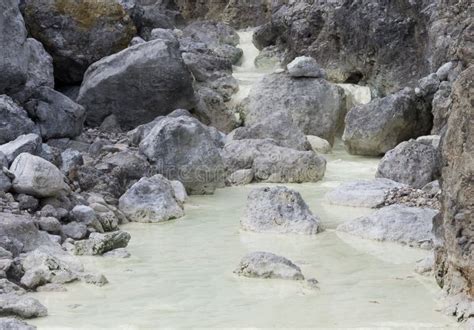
[180, 273]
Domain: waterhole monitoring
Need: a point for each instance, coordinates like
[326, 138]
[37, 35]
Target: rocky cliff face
[386, 44]
[455, 227]
[238, 13]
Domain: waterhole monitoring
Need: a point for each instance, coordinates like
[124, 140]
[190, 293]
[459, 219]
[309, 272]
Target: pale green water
[180, 273]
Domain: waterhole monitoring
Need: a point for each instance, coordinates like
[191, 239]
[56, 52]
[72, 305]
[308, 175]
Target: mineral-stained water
[180, 273]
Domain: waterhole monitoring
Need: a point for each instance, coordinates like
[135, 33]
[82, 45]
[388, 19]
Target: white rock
[37, 177]
[318, 144]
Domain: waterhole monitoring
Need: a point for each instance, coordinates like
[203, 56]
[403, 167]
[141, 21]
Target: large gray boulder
[14, 120]
[279, 127]
[279, 210]
[373, 129]
[316, 106]
[29, 143]
[37, 177]
[412, 162]
[362, 193]
[269, 266]
[396, 223]
[56, 115]
[78, 34]
[207, 66]
[151, 200]
[13, 48]
[40, 70]
[272, 163]
[149, 74]
[184, 149]
[22, 306]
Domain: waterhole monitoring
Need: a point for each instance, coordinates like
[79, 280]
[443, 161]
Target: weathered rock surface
[152, 73]
[56, 115]
[25, 307]
[29, 143]
[269, 266]
[78, 34]
[40, 70]
[272, 163]
[211, 33]
[15, 121]
[454, 228]
[412, 163]
[375, 128]
[279, 210]
[362, 193]
[151, 200]
[279, 127]
[10, 323]
[305, 66]
[37, 177]
[19, 234]
[183, 149]
[316, 106]
[13, 50]
[402, 224]
[318, 144]
[98, 243]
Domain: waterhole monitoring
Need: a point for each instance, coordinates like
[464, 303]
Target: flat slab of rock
[362, 193]
[151, 200]
[98, 244]
[279, 210]
[396, 223]
[269, 266]
[271, 162]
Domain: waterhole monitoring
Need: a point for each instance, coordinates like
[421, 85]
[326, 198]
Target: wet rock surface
[268, 266]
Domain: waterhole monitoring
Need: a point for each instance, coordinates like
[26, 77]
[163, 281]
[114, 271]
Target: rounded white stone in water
[279, 210]
[268, 265]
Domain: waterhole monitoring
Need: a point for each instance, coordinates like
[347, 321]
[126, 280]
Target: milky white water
[180, 272]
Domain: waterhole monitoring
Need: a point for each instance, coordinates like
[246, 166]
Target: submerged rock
[411, 162]
[279, 210]
[362, 193]
[402, 224]
[269, 266]
[151, 200]
[162, 78]
[375, 128]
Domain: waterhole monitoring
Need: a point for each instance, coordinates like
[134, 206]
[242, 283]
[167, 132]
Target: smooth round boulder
[279, 210]
[37, 177]
[305, 66]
